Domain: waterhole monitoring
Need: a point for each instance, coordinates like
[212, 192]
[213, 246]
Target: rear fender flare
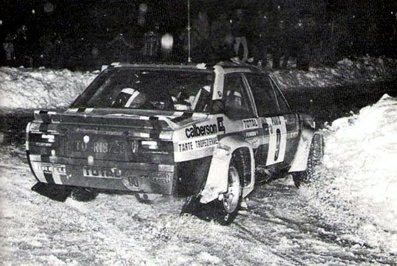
[217, 179]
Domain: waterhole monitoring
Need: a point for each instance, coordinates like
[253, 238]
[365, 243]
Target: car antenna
[189, 59]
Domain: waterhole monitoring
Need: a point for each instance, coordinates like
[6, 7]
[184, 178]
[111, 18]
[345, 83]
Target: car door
[238, 105]
[279, 125]
[291, 122]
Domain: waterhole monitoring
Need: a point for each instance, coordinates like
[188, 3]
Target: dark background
[82, 34]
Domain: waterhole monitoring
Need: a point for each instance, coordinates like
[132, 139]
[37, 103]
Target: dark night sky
[64, 15]
[101, 20]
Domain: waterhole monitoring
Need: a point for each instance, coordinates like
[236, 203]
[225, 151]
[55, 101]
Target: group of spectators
[15, 46]
[242, 35]
[249, 37]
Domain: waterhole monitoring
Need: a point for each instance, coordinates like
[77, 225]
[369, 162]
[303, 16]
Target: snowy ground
[347, 215]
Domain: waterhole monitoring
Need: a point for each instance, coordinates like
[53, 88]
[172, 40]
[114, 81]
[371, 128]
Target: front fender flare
[299, 162]
[217, 179]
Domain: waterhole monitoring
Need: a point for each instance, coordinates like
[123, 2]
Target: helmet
[129, 98]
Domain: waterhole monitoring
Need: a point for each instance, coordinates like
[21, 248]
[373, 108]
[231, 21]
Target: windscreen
[177, 90]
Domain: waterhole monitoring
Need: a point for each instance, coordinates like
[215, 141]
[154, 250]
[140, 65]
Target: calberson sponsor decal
[204, 130]
[196, 131]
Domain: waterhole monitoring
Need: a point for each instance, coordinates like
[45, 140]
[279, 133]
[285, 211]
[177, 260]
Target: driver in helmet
[131, 98]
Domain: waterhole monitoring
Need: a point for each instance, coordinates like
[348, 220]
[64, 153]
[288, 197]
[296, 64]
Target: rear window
[178, 90]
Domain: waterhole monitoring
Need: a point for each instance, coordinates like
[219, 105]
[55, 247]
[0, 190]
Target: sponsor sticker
[197, 144]
[102, 172]
[277, 139]
[206, 129]
[250, 123]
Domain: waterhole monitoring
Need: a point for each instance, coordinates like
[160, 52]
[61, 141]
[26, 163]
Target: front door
[276, 121]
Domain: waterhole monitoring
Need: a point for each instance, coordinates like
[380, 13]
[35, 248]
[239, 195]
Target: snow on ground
[348, 215]
[359, 174]
[22, 88]
[346, 72]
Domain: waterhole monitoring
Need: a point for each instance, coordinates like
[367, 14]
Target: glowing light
[167, 41]
[33, 11]
[48, 7]
[143, 8]
[1, 22]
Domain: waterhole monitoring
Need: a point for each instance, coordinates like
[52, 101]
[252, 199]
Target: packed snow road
[347, 215]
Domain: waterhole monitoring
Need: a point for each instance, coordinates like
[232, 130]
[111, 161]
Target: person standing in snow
[120, 48]
[22, 58]
[221, 38]
[260, 38]
[152, 43]
[239, 31]
[200, 35]
[8, 47]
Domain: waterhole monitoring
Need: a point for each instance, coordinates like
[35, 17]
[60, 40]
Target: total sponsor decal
[250, 127]
[250, 123]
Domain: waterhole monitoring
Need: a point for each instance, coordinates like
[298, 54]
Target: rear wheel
[225, 209]
[316, 154]
[229, 202]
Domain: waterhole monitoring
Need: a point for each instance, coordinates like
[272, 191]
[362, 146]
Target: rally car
[196, 131]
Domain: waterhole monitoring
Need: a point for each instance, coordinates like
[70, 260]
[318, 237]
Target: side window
[265, 98]
[235, 98]
[282, 104]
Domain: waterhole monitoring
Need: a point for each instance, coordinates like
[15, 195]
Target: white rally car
[193, 131]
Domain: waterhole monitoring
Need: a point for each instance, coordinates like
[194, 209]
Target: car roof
[193, 66]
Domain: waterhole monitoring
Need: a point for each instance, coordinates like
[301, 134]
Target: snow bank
[358, 180]
[47, 89]
[40, 88]
[363, 70]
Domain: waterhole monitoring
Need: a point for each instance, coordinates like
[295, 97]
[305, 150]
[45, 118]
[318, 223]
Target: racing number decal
[277, 139]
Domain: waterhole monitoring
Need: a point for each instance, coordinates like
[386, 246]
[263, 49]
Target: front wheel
[316, 154]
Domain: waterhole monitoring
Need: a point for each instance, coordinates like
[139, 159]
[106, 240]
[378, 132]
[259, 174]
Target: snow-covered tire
[223, 210]
[83, 194]
[226, 208]
[316, 154]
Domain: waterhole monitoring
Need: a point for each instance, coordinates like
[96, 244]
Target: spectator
[21, 48]
[239, 31]
[8, 47]
[200, 37]
[221, 38]
[261, 38]
[121, 48]
[152, 43]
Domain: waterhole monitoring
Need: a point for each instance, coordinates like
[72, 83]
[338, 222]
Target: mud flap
[54, 192]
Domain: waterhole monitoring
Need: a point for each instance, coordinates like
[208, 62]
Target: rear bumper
[109, 175]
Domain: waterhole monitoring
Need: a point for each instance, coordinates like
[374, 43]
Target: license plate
[99, 146]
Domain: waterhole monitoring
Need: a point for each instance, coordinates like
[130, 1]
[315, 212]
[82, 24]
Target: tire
[316, 154]
[223, 211]
[229, 205]
[83, 194]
